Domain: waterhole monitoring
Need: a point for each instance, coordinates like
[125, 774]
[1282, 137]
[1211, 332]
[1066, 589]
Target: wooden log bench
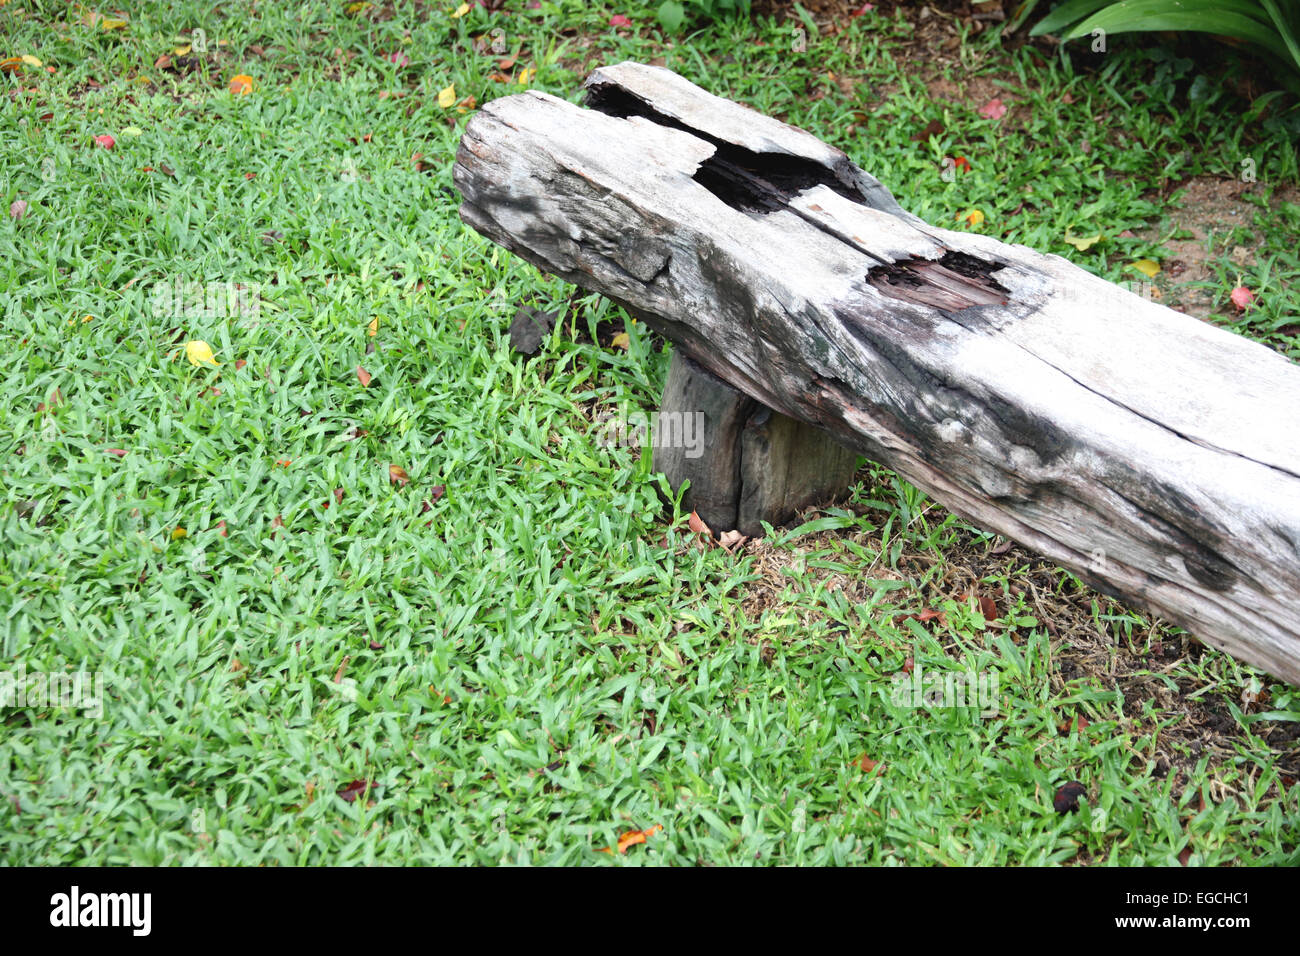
[1154, 455]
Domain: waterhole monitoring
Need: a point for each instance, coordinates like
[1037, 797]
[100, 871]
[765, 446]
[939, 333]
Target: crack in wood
[745, 180]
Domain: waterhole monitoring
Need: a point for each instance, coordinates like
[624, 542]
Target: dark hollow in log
[1151, 453]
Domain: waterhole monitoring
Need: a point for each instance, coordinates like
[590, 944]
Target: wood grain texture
[1153, 454]
[753, 464]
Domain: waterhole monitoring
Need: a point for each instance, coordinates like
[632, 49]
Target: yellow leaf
[974, 217]
[526, 75]
[133, 131]
[373, 327]
[199, 352]
[1083, 244]
[178, 533]
[460, 11]
[241, 84]
[355, 8]
[30, 60]
[447, 97]
[182, 50]
[1147, 267]
[87, 318]
[620, 341]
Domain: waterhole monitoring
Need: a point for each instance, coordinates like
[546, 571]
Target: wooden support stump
[1154, 455]
[750, 464]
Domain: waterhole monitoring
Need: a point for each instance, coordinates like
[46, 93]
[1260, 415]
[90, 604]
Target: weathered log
[1153, 454]
[750, 464]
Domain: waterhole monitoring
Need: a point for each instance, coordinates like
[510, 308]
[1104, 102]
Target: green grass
[523, 669]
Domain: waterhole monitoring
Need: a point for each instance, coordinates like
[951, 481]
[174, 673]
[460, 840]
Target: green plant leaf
[1066, 14]
[671, 15]
[1222, 17]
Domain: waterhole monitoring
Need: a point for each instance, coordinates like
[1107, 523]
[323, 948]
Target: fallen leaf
[373, 328]
[974, 217]
[1147, 267]
[1241, 297]
[1067, 797]
[932, 128]
[221, 527]
[731, 540]
[993, 109]
[526, 75]
[400, 58]
[106, 141]
[697, 525]
[1078, 722]
[961, 162]
[1185, 857]
[436, 492]
[398, 476]
[182, 50]
[239, 363]
[865, 8]
[865, 764]
[352, 9]
[363, 377]
[447, 96]
[18, 209]
[241, 84]
[30, 60]
[178, 532]
[92, 19]
[200, 353]
[928, 614]
[133, 131]
[618, 20]
[620, 341]
[11, 64]
[351, 790]
[632, 838]
[460, 11]
[119, 452]
[1083, 243]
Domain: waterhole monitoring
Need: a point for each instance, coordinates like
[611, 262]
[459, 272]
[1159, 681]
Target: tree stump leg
[745, 462]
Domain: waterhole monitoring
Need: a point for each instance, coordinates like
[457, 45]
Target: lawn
[366, 588]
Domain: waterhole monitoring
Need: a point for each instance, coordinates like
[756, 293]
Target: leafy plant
[1262, 23]
[673, 14]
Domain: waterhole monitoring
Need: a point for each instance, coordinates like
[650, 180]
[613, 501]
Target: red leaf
[1067, 797]
[221, 526]
[119, 452]
[105, 141]
[398, 476]
[363, 377]
[961, 162]
[350, 791]
[1242, 298]
[697, 525]
[993, 109]
[618, 20]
